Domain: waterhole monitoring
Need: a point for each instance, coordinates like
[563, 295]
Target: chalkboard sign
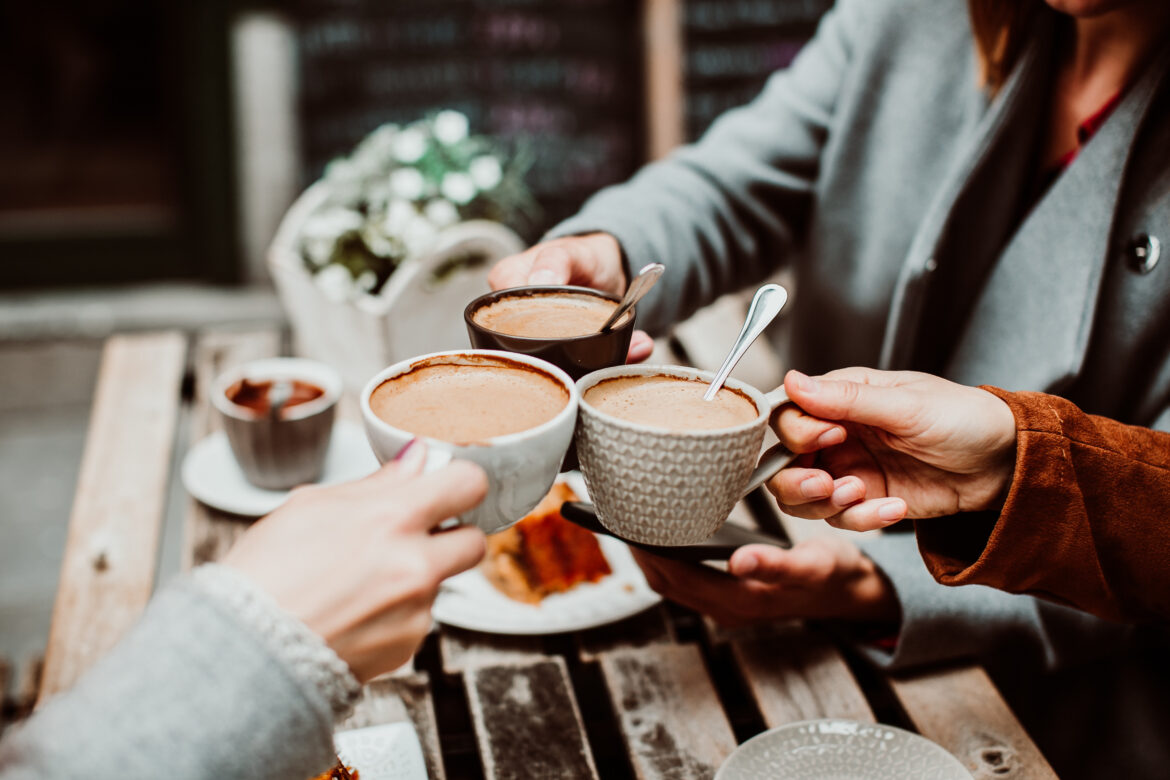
[732, 46]
[558, 77]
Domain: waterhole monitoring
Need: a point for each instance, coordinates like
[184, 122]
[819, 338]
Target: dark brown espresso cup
[576, 355]
[288, 449]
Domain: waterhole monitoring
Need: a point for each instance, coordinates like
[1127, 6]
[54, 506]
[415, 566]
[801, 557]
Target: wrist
[874, 599]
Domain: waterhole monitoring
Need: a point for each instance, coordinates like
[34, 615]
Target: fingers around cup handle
[437, 458]
[776, 458]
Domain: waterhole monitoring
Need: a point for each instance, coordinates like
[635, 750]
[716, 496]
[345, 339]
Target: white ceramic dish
[840, 750]
[387, 752]
[469, 601]
[210, 472]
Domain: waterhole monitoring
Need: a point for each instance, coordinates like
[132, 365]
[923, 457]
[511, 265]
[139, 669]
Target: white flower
[458, 188]
[342, 170]
[441, 213]
[398, 216]
[378, 147]
[366, 281]
[450, 127]
[410, 145]
[486, 172]
[335, 282]
[321, 231]
[419, 236]
[407, 183]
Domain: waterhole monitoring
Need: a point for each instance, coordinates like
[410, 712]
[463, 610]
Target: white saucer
[387, 752]
[211, 474]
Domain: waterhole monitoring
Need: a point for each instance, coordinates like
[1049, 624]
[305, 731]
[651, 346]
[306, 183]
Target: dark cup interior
[576, 356]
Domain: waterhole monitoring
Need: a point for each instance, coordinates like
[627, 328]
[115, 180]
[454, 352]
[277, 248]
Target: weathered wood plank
[962, 710]
[795, 674]
[209, 533]
[112, 549]
[462, 650]
[652, 627]
[669, 712]
[527, 722]
[662, 33]
[398, 699]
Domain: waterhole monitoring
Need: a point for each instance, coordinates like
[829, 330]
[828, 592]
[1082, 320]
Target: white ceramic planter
[412, 315]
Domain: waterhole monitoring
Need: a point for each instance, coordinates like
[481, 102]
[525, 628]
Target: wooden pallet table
[663, 694]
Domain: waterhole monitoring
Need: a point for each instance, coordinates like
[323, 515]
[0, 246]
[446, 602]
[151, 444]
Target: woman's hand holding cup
[593, 260]
[880, 446]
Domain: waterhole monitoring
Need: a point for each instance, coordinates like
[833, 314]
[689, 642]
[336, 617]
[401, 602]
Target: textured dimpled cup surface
[665, 487]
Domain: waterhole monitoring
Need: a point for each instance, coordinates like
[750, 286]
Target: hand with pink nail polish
[360, 563]
[879, 446]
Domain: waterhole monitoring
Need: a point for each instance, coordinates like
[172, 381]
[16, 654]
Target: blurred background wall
[148, 140]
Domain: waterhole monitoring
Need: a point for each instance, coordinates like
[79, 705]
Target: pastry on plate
[543, 553]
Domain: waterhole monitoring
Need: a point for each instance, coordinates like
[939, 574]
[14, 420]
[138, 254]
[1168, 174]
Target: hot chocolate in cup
[513, 415]
[283, 450]
[555, 323]
[663, 466]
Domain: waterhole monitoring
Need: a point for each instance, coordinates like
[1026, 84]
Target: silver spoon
[767, 303]
[639, 287]
[278, 395]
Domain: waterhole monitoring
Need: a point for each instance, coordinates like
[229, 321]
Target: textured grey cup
[668, 488]
[290, 451]
[840, 750]
[521, 467]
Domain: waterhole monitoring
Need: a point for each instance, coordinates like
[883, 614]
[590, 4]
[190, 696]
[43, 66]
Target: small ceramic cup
[671, 488]
[277, 454]
[575, 355]
[521, 467]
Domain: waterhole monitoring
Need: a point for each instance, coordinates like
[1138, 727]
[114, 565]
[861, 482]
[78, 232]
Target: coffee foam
[670, 402]
[469, 402]
[546, 315]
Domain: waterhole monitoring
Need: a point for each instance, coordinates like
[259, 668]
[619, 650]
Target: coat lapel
[1031, 323]
[1012, 109]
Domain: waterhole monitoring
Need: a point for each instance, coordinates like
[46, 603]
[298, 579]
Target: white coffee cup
[521, 467]
[666, 487]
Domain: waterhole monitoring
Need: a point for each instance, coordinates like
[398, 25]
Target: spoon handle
[767, 303]
[639, 287]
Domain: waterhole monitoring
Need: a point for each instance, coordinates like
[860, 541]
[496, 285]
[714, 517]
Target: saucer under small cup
[211, 474]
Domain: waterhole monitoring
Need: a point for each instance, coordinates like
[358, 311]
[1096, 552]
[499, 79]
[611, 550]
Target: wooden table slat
[402, 699]
[527, 721]
[111, 554]
[652, 627]
[962, 710]
[669, 712]
[209, 533]
[462, 650]
[795, 674]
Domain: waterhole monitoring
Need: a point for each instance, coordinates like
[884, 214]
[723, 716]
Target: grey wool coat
[875, 168]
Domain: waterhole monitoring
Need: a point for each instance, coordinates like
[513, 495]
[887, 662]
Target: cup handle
[776, 457]
[437, 458]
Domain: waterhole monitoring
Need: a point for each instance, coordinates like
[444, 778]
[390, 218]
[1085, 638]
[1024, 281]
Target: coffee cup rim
[304, 369]
[403, 366]
[763, 408]
[550, 289]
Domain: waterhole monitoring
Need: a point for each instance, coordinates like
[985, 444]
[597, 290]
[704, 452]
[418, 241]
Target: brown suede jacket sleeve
[1086, 521]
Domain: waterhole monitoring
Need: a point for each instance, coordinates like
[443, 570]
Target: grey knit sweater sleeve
[215, 681]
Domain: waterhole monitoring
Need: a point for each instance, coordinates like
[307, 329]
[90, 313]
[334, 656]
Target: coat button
[1143, 253]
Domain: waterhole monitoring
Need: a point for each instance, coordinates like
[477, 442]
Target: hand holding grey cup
[663, 466]
[511, 414]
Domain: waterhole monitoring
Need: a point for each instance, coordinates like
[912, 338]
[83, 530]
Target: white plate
[387, 752]
[469, 601]
[840, 750]
[211, 474]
